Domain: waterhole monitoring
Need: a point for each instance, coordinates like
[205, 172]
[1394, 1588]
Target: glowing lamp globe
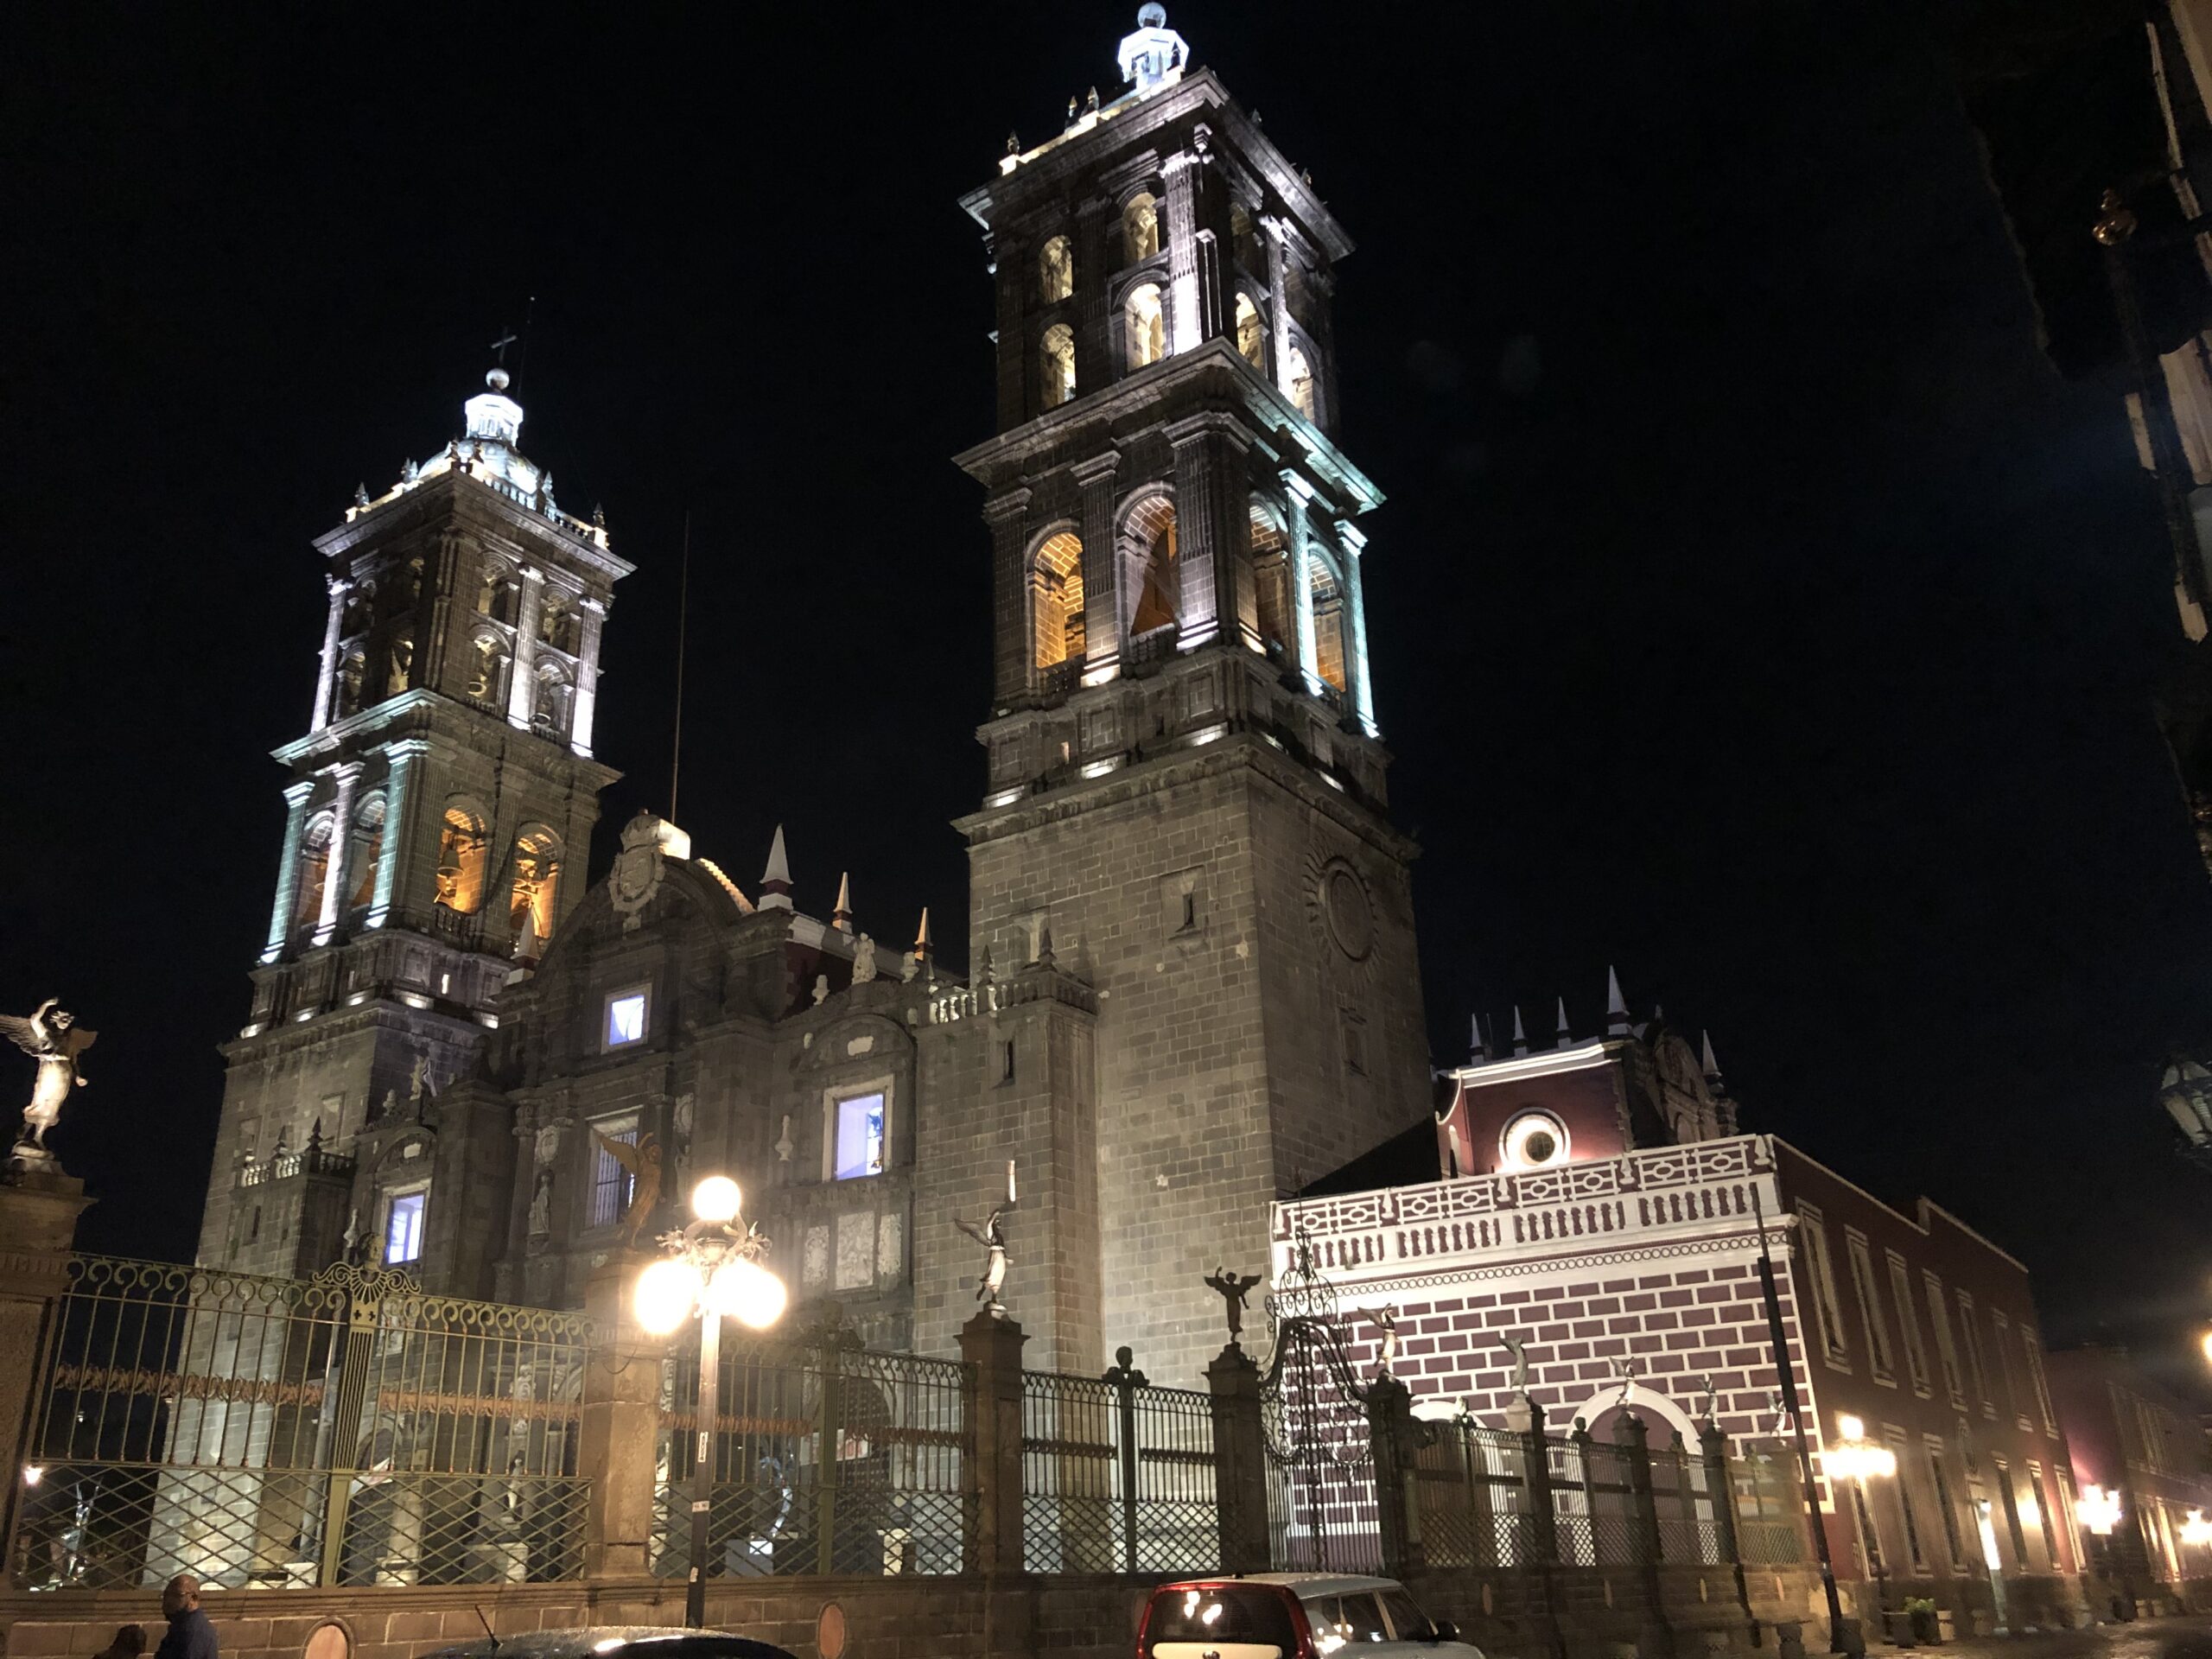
[747, 1292]
[667, 1291]
[716, 1199]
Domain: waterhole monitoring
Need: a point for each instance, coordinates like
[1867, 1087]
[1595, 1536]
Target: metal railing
[828, 1459]
[346, 1429]
[1117, 1476]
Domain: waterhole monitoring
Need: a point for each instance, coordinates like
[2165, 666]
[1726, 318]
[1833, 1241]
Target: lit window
[612, 1183]
[626, 1018]
[860, 1137]
[402, 1229]
[1144, 319]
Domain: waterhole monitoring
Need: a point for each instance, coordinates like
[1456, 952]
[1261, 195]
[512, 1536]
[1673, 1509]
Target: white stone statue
[53, 1039]
[864, 965]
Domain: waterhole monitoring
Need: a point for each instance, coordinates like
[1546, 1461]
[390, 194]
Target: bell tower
[443, 791]
[1186, 785]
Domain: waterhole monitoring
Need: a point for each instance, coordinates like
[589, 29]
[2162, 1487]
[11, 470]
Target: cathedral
[1193, 983]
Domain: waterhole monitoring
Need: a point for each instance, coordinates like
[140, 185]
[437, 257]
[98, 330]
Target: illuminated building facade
[2136, 1441]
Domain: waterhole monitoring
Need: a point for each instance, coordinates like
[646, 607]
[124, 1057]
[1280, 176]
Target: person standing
[190, 1635]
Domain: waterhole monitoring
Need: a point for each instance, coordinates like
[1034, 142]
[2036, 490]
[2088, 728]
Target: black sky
[1755, 607]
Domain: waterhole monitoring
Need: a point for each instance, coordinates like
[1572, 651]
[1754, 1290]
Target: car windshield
[1406, 1617]
[1222, 1613]
[1337, 1620]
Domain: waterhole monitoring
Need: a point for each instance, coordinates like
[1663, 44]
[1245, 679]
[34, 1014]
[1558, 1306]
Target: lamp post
[711, 1272]
[1858, 1459]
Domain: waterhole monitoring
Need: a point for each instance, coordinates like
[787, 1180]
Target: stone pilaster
[1186, 316]
[1239, 1450]
[522, 689]
[287, 869]
[1102, 569]
[339, 869]
[1297, 496]
[325, 684]
[38, 1221]
[1279, 305]
[1206, 540]
[399, 811]
[1358, 686]
[992, 1348]
[1007, 516]
[580, 728]
[617, 1443]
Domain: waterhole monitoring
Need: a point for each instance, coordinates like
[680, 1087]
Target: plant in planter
[1921, 1610]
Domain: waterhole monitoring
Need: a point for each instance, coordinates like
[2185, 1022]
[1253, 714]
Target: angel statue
[992, 1236]
[1385, 1319]
[642, 1161]
[1233, 1288]
[53, 1038]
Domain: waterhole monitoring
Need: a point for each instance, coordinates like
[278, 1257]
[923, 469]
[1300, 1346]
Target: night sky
[1756, 607]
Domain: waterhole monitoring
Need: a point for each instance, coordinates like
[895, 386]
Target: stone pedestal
[991, 1343]
[38, 1223]
[619, 1443]
[1240, 1453]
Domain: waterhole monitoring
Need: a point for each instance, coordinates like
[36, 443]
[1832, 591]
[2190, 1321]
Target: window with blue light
[625, 1018]
[402, 1229]
[612, 1182]
[859, 1145]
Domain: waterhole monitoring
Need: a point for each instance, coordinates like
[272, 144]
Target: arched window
[488, 680]
[462, 848]
[1251, 332]
[1055, 270]
[410, 589]
[558, 625]
[1149, 543]
[360, 608]
[1301, 382]
[537, 887]
[549, 714]
[1056, 360]
[351, 674]
[1329, 625]
[368, 851]
[1144, 319]
[1140, 228]
[400, 664]
[1271, 577]
[1055, 602]
[499, 596]
[315, 870]
[1244, 240]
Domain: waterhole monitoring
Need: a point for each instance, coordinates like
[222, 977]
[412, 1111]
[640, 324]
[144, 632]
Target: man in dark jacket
[190, 1636]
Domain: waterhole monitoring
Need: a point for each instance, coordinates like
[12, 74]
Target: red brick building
[1593, 1203]
[2131, 1437]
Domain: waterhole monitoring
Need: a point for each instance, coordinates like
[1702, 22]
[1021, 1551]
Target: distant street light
[1858, 1459]
[712, 1270]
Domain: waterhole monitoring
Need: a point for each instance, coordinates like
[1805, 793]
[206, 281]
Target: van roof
[1301, 1584]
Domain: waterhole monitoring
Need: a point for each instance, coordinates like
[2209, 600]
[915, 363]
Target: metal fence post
[992, 1347]
[1239, 1461]
[1126, 1380]
[344, 1408]
[830, 1428]
[1393, 1439]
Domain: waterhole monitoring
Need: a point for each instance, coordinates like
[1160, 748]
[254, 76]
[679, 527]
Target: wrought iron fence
[1117, 1476]
[827, 1459]
[349, 1428]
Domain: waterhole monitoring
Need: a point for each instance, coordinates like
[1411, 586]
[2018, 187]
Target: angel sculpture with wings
[53, 1039]
[992, 1236]
[1233, 1288]
[1385, 1319]
[642, 1161]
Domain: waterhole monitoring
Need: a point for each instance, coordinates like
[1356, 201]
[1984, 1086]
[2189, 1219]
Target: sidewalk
[2188, 1637]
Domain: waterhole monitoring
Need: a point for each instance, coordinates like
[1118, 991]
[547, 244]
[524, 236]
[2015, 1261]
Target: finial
[776, 880]
[841, 917]
[1091, 102]
[1071, 108]
[1616, 1005]
[1153, 55]
[1012, 143]
[1520, 1037]
[1711, 1066]
[360, 495]
[922, 937]
[496, 380]
[1045, 944]
[1478, 1051]
[1564, 1040]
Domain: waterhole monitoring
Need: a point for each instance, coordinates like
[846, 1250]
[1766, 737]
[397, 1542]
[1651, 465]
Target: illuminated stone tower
[1185, 779]
[442, 793]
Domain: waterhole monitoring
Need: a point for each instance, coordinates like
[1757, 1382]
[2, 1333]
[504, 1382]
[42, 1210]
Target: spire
[1153, 55]
[1045, 958]
[1616, 1005]
[1478, 1051]
[776, 880]
[841, 916]
[922, 937]
[1520, 1037]
[1563, 1040]
[1711, 1066]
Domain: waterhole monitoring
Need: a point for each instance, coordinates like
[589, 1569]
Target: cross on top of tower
[1155, 56]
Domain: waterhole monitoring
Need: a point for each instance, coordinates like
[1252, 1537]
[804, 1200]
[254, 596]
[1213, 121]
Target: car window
[1337, 1620]
[1406, 1619]
[1224, 1613]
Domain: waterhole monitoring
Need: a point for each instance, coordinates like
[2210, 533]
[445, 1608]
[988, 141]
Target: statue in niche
[418, 1084]
[864, 965]
[541, 1205]
[53, 1038]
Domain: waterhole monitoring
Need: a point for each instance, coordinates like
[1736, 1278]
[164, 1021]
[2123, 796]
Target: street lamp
[1858, 1459]
[711, 1272]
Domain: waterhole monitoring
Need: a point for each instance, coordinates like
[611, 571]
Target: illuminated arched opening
[548, 713]
[1271, 581]
[1056, 363]
[1055, 270]
[499, 595]
[1251, 332]
[1245, 239]
[488, 680]
[537, 889]
[399, 665]
[352, 673]
[1148, 538]
[1141, 227]
[315, 870]
[558, 625]
[1332, 635]
[1056, 598]
[1144, 319]
[1301, 382]
[463, 849]
[368, 851]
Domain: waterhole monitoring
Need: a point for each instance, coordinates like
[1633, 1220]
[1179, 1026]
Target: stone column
[992, 1348]
[1200, 550]
[339, 865]
[287, 869]
[398, 836]
[1239, 1461]
[1279, 305]
[325, 684]
[1631, 1435]
[38, 1221]
[1019, 388]
[618, 1440]
[1185, 321]
[595, 618]
[1102, 569]
[1720, 1493]
[1392, 1438]
[1013, 649]
[1356, 684]
[521, 688]
[1525, 1420]
[1298, 495]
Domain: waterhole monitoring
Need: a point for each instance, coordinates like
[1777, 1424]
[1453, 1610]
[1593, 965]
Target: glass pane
[1406, 1619]
[626, 1018]
[860, 1137]
[403, 1238]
